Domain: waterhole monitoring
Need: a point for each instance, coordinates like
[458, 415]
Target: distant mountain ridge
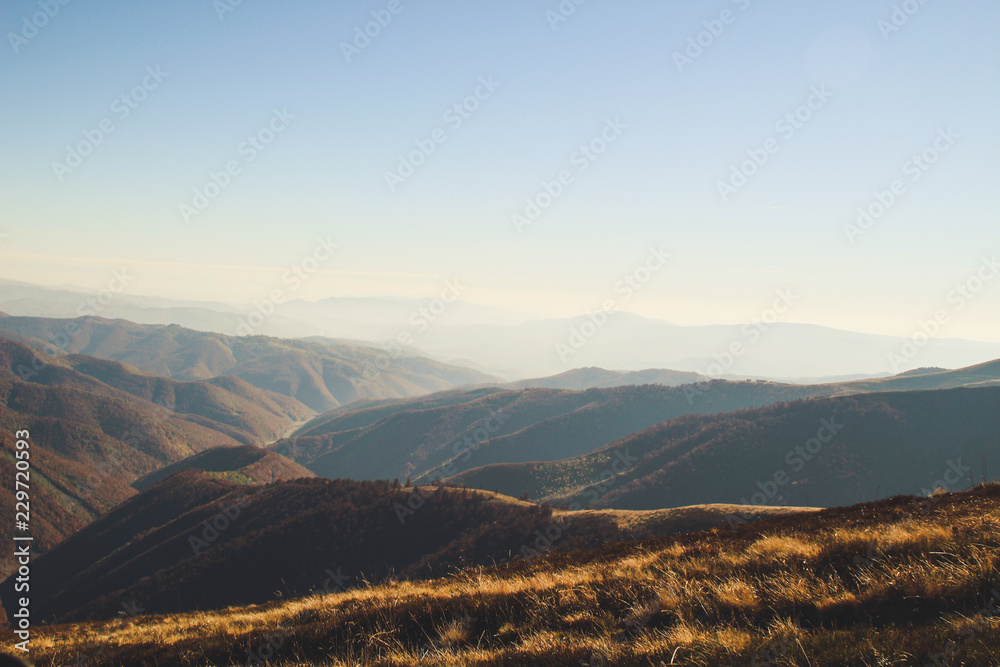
[514, 346]
[593, 377]
[442, 434]
[820, 452]
[320, 376]
[447, 433]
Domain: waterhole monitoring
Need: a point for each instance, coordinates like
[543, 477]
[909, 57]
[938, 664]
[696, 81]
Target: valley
[212, 488]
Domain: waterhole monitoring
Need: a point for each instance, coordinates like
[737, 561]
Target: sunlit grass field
[905, 581]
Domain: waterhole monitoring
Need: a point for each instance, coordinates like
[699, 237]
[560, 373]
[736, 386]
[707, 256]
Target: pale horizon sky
[879, 99]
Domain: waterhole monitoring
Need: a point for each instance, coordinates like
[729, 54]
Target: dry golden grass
[683, 519]
[862, 587]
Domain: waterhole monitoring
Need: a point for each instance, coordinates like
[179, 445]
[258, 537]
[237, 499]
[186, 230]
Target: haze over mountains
[445, 434]
[514, 346]
[153, 430]
[146, 397]
[318, 375]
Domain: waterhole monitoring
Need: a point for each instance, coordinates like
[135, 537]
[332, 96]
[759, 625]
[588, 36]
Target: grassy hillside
[319, 375]
[198, 541]
[252, 465]
[905, 581]
[818, 452]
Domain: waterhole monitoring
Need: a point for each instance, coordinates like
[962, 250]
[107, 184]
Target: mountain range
[97, 426]
[186, 470]
[320, 376]
[822, 452]
[446, 435]
[515, 346]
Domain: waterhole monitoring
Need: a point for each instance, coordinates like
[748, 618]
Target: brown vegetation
[899, 582]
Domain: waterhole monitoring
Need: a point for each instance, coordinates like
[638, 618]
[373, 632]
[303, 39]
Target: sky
[739, 137]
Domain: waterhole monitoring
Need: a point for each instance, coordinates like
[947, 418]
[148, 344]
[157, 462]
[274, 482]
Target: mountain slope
[194, 541]
[818, 452]
[319, 375]
[442, 435]
[245, 464]
[512, 346]
[877, 584]
[89, 440]
[227, 404]
[591, 378]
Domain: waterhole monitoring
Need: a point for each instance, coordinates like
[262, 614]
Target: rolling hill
[90, 439]
[245, 464]
[514, 346]
[448, 433]
[196, 541]
[592, 377]
[820, 452]
[883, 583]
[320, 375]
[443, 434]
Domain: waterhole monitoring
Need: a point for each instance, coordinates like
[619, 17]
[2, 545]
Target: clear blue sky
[656, 184]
